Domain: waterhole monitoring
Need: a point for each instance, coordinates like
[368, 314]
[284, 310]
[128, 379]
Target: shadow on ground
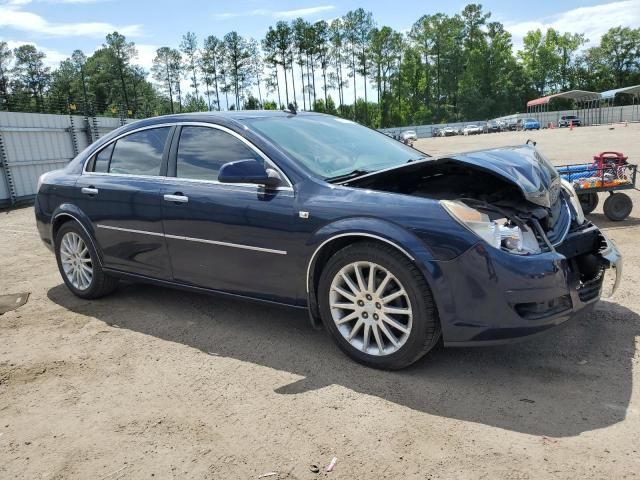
[601, 220]
[575, 379]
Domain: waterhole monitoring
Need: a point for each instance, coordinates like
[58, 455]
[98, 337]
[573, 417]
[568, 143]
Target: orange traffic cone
[570, 125]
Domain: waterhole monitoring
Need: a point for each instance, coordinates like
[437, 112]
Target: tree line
[445, 68]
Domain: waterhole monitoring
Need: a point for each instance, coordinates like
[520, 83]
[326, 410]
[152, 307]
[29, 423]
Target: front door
[234, 238]
[121, 193]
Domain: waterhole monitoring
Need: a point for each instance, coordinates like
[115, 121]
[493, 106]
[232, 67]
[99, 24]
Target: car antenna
[292, 109]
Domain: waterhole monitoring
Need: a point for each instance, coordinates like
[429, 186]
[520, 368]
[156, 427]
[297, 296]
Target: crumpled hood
[521, 165]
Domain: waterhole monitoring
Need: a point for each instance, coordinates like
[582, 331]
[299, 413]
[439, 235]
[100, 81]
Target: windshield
[330, 147]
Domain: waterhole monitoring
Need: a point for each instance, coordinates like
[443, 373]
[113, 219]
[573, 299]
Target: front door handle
[176, 198]
[89, 190]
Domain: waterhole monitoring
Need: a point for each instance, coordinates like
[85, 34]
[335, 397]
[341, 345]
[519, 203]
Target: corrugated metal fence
[596, 116]
[32, 143]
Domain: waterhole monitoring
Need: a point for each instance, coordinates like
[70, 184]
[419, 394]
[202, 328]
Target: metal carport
[585, 101]
[609, 96]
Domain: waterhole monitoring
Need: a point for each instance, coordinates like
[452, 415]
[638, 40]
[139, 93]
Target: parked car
[566, 120]
[387, 248]
[530, 124]
[512, 125]
[472, 130]
[448, 132]
[492, 127]
[409, 135]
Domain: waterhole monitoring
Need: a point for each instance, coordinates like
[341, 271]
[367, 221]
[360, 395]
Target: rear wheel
[378, 306]
[617, 207]
[79, 265]
[588, 202]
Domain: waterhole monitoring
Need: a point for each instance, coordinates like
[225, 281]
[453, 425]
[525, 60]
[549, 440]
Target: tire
[617, 207]
[420, 327]
[86, 285]
[588, 202]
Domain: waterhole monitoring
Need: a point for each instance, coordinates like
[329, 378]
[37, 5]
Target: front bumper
[487, 296]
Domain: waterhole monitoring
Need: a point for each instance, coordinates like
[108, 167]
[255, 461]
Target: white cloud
[12, 16]
[263, 12]
[146, 54]
[53, 57]
[593, 21]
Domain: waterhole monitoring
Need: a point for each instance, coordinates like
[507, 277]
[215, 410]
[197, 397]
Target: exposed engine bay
[497, 209]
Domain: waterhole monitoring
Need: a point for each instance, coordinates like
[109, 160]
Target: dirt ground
[155, 383]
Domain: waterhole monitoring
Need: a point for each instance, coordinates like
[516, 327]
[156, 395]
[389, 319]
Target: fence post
[6, 171]
[74, 139]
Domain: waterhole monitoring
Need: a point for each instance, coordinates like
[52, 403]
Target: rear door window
[203, 150]
[102, 159]
[139, 153]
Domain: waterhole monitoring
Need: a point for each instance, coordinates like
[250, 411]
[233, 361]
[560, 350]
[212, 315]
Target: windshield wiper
[346, 176]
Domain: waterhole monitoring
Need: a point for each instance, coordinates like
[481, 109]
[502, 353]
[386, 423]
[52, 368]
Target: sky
[57, 27]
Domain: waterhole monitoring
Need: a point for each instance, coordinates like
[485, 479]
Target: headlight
[574, 200]
[510, 238]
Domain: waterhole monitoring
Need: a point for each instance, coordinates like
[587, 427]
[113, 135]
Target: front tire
[377, 306]
[79, 264]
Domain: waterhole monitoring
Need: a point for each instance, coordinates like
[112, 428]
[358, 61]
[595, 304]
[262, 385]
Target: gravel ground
[155, 383]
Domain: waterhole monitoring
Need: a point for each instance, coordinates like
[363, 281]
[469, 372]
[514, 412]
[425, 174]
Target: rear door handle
[176, 198]
[89, 190]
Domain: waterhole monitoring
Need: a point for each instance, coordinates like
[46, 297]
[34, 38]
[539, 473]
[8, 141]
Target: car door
[235, 238]
[120, 192]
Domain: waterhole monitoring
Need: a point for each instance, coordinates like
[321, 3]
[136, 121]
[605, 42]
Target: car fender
[75, 214]
[384, 231]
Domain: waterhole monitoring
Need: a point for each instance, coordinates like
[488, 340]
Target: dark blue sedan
[389, 249]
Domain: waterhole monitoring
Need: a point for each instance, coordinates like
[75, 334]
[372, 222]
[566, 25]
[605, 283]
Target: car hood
[521, 165]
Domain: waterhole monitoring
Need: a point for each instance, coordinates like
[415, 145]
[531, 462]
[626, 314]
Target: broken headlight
[498, 234]
[574, 200]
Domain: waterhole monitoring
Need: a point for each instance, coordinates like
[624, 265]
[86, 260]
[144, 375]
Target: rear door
[231, 237]
[120, 191]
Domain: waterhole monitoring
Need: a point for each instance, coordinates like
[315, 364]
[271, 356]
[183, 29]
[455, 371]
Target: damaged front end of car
[548, 260]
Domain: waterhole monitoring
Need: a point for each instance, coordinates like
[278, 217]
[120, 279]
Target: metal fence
[33, 143]
[594, 116]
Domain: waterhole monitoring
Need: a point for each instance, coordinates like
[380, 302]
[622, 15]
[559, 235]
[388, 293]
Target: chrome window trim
[353, 234]
[113, 140]
[194, 239]
[289, 185]
[250, 186]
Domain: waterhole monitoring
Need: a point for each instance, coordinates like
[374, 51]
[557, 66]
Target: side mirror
[248, 171]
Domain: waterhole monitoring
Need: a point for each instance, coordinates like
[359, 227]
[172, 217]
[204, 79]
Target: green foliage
[446, 68]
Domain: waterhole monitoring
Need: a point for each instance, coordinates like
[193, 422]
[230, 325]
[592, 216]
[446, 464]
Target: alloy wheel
[370, 308]
[76, 261]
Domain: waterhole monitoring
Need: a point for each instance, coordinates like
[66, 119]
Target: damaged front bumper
[488, 296]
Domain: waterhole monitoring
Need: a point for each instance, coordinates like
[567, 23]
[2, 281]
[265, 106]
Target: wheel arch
[70, 213]
[335, 237]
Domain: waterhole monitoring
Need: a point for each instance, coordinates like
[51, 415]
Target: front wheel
[377, 306]
[79, 264]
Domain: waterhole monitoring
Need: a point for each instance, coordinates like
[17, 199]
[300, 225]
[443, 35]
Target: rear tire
[79, 264]
[617, 207]
[398, 318]
[588, 202]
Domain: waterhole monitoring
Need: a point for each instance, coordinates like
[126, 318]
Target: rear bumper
[487, 296]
